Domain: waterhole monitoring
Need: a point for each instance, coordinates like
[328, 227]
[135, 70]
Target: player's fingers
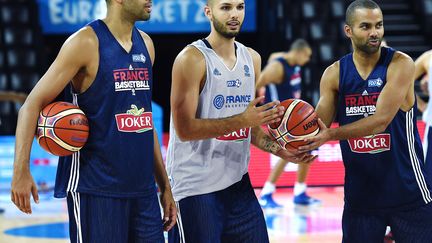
[257, 100]
[173, 213]
[173, 220]
[35, 194]
[321, 124]
[310, 159]
[310, 146]
[271, 116]
[21, 202]
[12, 197]
[166, 214]
[270, 120]
[27, 206]
[270, 105]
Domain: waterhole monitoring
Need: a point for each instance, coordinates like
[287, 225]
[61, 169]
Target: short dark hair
[299, 44]
[349, 14]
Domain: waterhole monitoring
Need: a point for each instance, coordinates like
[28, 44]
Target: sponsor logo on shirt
[134, 120]
[238, 136]
[377, 82]
[370, 144]
[132, 79]
[231, 101]
[138, 58]
[361, 104]
[234, 83]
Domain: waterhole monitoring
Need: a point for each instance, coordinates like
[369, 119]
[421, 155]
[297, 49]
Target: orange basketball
[62, 128]
[298, 122]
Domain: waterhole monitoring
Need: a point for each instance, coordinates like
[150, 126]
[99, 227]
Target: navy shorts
[231, 215]
[95, 219]
[413, 226]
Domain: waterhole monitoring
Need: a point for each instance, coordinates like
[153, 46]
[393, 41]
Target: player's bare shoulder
[189, 66]
[332, 72]
[330, 77]
[149, 44]
[401, 57]
[191, 55]
[401, 62]
[256, 57]
[84, 38]
[254, 54]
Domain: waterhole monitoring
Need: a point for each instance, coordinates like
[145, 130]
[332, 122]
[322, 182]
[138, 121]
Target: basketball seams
[286, 117]
[66, 116]
[53, 140]
[49, 133]
[302, 121]
[46, 144]
[296, 109]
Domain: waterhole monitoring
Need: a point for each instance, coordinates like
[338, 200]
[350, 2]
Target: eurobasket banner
[167, 16]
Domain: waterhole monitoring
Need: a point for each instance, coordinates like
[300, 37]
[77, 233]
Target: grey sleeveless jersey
[204, 166]
[427, 115]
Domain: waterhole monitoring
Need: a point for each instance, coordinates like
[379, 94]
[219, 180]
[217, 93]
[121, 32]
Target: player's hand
[296, 158]
[169, 209]
[316, 141]
[22, 185]
[256, 116]
[261, 92]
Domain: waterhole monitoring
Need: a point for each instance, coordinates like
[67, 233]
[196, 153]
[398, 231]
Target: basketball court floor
[291, 224]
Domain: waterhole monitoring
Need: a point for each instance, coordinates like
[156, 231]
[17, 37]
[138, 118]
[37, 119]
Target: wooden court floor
[291, 224]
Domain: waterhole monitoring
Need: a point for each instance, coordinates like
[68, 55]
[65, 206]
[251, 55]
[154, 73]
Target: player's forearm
[25, 131]
[161, 176]
[159, 169]
[364, 127]
[262, 141]
[197, 129]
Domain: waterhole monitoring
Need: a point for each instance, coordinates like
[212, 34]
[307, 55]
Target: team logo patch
[138, 58]
[370, 144]
[218, 101]
[246, 70]
[216, 72]
[377, 82]
[361, 104]
[237, 136]
[132, 79]
[231, 101]
[234, 83]
[134, 120]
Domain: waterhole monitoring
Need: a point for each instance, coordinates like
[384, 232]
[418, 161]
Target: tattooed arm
[264, 142]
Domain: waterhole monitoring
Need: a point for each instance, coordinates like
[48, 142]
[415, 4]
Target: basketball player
[423, 67]
[283, 78]
[110, 183]
[370, 92]
[214, 120]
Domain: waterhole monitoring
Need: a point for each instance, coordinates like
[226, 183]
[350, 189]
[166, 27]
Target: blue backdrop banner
[168, 16]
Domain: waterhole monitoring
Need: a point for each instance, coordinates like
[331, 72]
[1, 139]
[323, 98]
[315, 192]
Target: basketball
[298, 122]
[62, 128]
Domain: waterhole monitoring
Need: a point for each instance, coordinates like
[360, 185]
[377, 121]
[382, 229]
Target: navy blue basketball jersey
[117, 160]
[384, 171]
[290, 87]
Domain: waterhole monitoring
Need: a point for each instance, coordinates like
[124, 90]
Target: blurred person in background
[281, 80]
